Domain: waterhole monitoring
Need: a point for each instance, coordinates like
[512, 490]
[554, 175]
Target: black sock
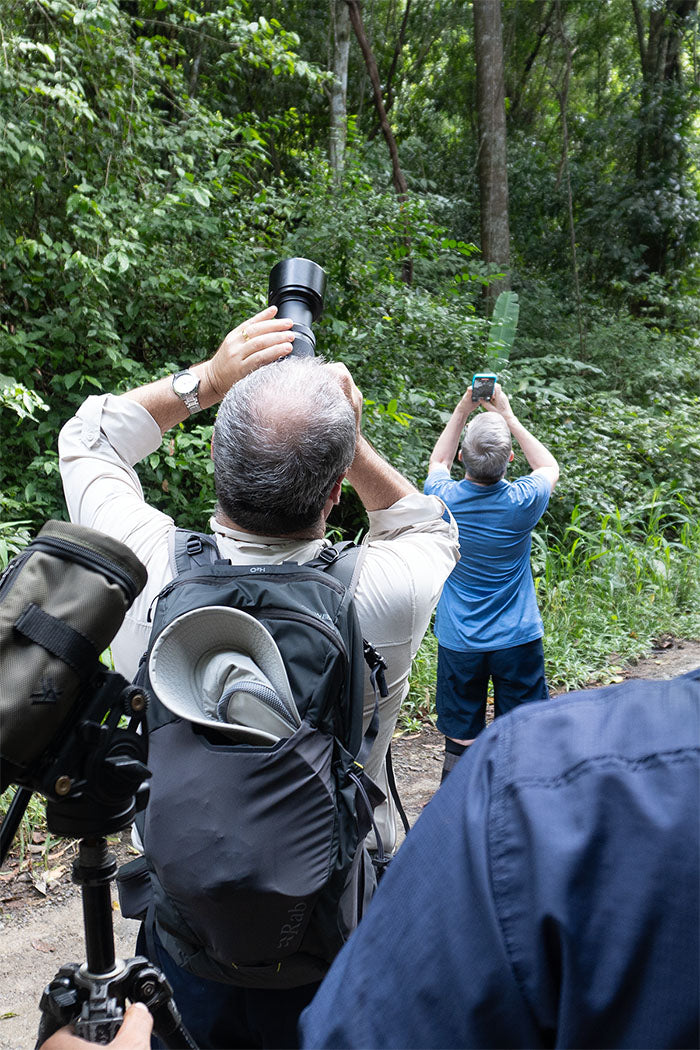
[453, 751]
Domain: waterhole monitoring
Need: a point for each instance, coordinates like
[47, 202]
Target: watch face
[185, 383]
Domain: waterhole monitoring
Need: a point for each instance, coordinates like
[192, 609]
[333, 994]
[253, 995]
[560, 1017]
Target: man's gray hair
[486, 448]
[282, 438]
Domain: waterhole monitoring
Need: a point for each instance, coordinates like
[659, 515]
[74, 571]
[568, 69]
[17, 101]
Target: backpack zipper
[281, 614]
[90, 560]
[292, 576]
[9, 574]
[313, 621]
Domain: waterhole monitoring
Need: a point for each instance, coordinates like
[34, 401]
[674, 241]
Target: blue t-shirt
[488, 601]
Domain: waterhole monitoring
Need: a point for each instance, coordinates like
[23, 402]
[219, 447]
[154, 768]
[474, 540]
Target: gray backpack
[254, 833]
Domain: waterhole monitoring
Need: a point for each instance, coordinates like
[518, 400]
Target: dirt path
[41, 922]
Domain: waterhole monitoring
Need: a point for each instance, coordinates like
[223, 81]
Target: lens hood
[296, 287]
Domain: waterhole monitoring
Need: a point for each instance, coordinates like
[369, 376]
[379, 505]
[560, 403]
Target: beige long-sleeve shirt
[411, 549]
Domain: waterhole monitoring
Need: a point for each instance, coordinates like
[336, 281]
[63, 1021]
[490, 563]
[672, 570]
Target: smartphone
[482, 386]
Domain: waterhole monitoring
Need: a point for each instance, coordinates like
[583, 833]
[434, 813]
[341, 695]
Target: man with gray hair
[487, 624]
[288, 433]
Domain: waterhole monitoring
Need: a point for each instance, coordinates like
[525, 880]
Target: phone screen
[482, 387]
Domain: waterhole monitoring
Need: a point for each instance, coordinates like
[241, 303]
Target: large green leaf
[504, 323]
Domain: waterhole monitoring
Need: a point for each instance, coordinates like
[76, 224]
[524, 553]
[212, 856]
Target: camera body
[296, 287]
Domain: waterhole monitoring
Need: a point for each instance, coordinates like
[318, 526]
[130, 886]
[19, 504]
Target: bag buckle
[328, 555]
[377, 666]
[194, 546]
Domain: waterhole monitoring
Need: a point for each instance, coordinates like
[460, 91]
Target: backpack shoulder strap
[343, 561]
[188, 549]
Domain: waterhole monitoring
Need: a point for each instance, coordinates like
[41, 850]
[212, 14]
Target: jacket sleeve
[411, 549]
[427, 966]
[98, 448]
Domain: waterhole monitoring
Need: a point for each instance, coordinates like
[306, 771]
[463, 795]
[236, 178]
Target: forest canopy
[157, 157]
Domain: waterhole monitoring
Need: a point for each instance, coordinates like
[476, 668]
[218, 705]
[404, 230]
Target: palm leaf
[504, 322]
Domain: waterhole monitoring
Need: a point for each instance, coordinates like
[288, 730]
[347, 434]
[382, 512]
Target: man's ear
[333, 498]
[511, 457]
[336, 490]
[459, 455]
[211, 446]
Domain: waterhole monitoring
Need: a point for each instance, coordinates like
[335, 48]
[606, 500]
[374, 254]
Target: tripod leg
[13, 819]
[146, 984]
[60, 1003]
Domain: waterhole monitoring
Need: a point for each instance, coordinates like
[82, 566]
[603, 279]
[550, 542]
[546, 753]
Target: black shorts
[462, 685]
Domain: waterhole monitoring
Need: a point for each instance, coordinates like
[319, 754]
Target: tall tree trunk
[565, 170]
[661, 152]
[340, 20]
[491, 111]
[398, 178]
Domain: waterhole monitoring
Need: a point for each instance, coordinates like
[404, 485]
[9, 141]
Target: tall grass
[613, 583]
[608, 586]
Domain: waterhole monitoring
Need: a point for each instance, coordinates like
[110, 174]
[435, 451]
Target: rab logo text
[290, 930]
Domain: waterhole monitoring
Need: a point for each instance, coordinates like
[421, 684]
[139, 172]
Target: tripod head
[96, 779]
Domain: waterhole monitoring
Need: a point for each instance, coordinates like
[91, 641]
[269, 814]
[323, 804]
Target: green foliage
[14, 535]
[419, 705]
[33, 822]
[158, 157]
[120, 211]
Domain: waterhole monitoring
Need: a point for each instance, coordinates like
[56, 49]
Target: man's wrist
[208, 393]
[185, 385]
[363, 450]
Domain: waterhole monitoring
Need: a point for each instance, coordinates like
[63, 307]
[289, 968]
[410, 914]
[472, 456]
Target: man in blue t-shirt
[487, 622]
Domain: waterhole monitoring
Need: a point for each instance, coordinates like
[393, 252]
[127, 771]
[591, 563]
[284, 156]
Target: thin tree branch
[639, 23]
[398, 178]
[389, 91]
[370, 62]
[530, 60]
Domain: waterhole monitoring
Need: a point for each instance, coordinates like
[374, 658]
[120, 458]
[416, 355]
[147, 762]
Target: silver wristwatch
[186, 386]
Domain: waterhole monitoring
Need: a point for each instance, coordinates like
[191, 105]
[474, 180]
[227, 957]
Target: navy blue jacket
[548, 895]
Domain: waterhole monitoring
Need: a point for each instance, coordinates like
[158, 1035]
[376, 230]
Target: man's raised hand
[349, 388]
[499, 403]
[258, 341]
[467, 403]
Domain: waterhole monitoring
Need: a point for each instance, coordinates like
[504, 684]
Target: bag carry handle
[59, 639]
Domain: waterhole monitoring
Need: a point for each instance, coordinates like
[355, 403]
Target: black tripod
[94, 787]
[91, 996]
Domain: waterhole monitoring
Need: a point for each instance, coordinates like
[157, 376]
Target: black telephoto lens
[296, 288]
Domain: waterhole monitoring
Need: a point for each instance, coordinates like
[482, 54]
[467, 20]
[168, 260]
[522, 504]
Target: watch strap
[191, 402]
